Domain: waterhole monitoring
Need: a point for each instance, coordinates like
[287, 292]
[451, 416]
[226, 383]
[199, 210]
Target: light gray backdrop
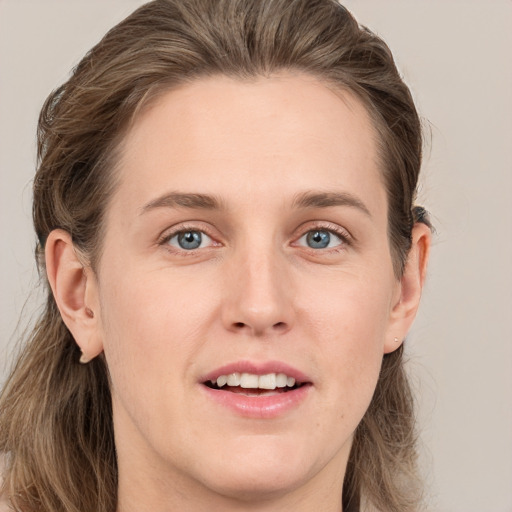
[455, 54]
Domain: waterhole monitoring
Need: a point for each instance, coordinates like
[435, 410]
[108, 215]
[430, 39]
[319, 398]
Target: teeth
[248, 380]
[222, 380]
[267, 381]
[233, 379]
[281, 380]
[251, 381]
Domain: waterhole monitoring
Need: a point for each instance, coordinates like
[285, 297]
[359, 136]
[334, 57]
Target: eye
[320, 239]
[189, 240]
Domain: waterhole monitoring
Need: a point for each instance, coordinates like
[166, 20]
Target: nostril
[258, 329]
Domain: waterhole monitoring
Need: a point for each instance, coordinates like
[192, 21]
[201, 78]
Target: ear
[407, 299]
[75, 290]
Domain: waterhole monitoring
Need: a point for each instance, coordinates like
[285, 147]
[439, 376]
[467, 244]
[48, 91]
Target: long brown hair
[56, 426]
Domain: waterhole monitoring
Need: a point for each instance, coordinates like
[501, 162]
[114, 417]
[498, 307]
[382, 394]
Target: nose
[258, 300]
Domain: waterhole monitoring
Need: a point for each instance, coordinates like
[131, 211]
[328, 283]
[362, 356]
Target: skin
[254, 290]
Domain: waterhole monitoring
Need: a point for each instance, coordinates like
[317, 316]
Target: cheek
[150, 308]
[348, 319]
[349, 309]
[152, 334]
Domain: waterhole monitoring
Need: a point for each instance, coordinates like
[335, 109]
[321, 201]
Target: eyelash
[168, 236]
[345, 238]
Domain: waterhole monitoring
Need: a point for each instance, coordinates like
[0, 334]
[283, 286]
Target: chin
[262, 471]
[261, 484]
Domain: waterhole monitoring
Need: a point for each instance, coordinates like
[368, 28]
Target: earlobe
[74, 288]
[410, 287]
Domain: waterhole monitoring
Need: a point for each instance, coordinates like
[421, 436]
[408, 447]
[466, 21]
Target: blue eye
[189, 240]
[320, 239]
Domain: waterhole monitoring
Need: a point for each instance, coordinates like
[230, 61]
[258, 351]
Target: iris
[190, 240]
[318, 239]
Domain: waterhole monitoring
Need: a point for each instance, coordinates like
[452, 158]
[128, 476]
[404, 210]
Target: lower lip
[262, 406]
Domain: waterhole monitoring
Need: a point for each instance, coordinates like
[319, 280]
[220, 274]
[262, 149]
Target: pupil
[189, 240]
[318, 239]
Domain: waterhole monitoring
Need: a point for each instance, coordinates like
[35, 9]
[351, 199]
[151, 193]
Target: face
[246, 288]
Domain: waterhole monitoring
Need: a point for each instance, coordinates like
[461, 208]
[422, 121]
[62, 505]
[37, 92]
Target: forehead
[287, 131]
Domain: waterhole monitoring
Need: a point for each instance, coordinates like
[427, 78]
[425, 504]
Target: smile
[269, 381]
[252, 391]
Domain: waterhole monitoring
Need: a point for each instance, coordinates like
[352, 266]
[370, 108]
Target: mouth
[257, 390]
[251, 384]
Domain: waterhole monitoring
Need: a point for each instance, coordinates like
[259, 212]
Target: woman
[225, 211]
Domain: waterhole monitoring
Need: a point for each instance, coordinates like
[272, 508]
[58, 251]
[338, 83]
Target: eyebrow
[184, 200]
[208, 202]
[328, 199]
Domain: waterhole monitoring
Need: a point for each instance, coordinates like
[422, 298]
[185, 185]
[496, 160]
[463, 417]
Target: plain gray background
[455, 55]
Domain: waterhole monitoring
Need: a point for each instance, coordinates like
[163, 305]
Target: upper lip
[256, 368]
